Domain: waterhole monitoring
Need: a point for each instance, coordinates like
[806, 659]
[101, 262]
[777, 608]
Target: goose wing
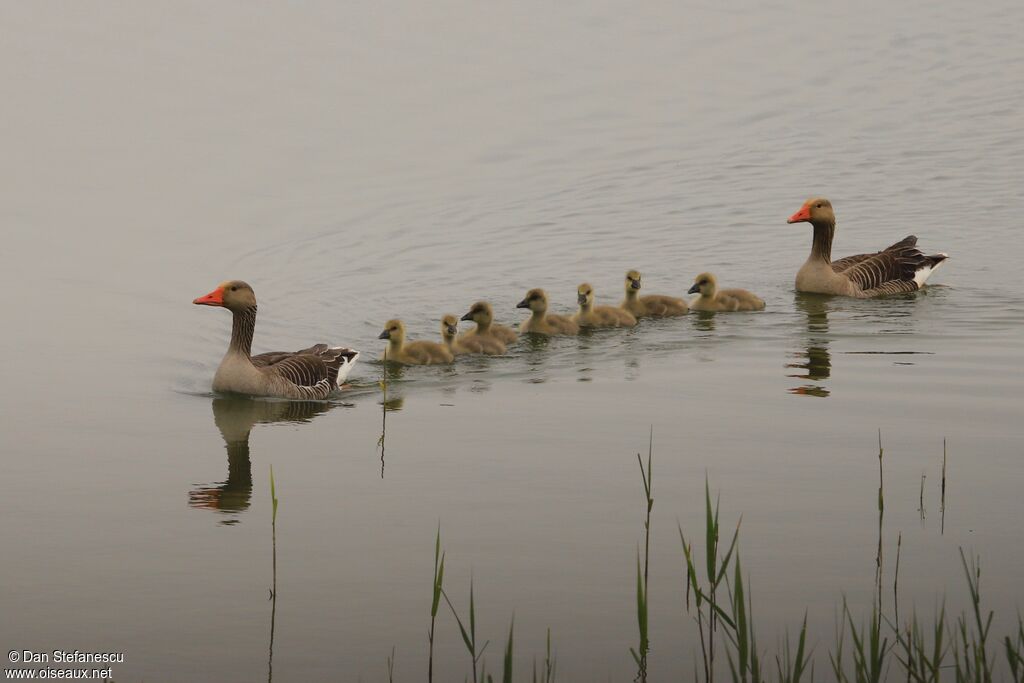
[890, 271]
[844, 264]
[306, 372]
[319, 361]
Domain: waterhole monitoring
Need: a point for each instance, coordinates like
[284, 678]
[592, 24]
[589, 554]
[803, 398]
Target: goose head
[816, 211]
[449, 328]
[585, 296]
[481, 313]
[535, 300]
[394, 331]
[632, 282]
[233, 295]
[706, 284]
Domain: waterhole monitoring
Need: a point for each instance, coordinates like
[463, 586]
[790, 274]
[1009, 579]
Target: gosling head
[535, 300]
[632, 282]
[233, 295]
[585, 295]
[706, 284]
[394, 330]
[481, 313]
[816, 211]
[449, 327]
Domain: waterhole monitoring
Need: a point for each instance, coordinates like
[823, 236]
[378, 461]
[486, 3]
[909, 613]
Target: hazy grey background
[360, 161]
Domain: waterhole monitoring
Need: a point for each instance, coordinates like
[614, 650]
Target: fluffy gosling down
[713, 299]
[412, 353]
[542, 322]
[483, 315]
[650, 305]
[475, 344]
[590, 315]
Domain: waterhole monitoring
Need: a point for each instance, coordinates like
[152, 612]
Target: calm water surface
[356, 163]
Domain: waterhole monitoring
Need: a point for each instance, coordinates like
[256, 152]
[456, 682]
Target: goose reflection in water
[813, 358]
[235, 418]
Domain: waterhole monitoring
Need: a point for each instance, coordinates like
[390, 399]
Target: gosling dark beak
[581, 299]
[694, 289]
[523, 304]
[468, 316]
[452, 329]
[635, 284]
[384, 335]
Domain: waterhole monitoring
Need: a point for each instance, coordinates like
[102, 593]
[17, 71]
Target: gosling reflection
[813, 358]
[235, 418]
[703, 321]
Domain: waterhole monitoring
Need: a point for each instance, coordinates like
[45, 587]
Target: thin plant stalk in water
[709, 610]
[896, 580]
[438, 587]
[468, 636]
[547, 673]
[942, 501]
[384, 410]
[640, 654]
[273, 589]
[881, 516]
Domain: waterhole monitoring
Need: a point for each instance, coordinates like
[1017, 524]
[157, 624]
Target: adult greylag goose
[483, 315]
[311, 373]
[714, 299]
[542, 322]
[649, 305]
[894, 270]
[590, 315]
[414, 352]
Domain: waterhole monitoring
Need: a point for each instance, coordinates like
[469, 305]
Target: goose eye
[234, 288]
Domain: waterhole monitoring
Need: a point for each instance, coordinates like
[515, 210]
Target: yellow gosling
[483, 315]
[467, 345]
[412, 353]
[713, 299]
[590, 315]
[650, 305]
[542, 322]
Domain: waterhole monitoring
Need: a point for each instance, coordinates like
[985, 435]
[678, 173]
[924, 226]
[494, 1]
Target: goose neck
[821, 248]
[243, 325]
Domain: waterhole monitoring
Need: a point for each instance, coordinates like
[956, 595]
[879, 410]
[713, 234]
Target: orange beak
[801, 216]
[214, 298]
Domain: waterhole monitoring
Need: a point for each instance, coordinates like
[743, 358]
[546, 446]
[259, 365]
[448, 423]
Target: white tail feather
[346, 367]
[922, 274]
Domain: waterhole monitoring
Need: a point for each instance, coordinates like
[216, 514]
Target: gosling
[483, 315]
[650, 305]
[542, 322]
[713, 299]
[590, 315]
[475, 344]
[412, 353]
